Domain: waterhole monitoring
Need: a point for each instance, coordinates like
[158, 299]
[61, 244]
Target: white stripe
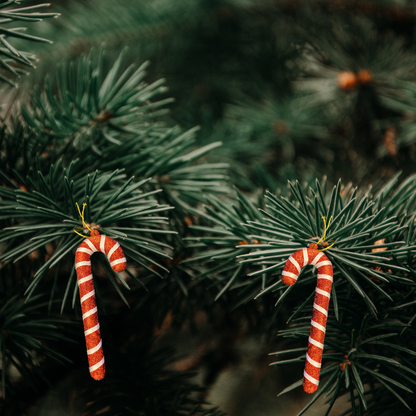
[91, 330]
[85, 279]
[90, 245]
[112, 250]
[313, 362]
[96, 366]
[305, 256]
[118, 261]
[316, 343]
[290, 274]
[295, 263]
[318, 326]
[320, 309]
[102, 246]
[322, 292]
[84, 250]
[323, 263]
[82, 263]
[325, 276]
[318, 256]
[310, 378]
[88, 295]
[90, 312]
[95, 349]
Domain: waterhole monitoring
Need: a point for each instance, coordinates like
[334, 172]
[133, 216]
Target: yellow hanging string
[325, 230]
[84, 224]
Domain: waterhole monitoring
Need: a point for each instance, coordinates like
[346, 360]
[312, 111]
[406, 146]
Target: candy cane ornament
[290, 275]
[108, 246]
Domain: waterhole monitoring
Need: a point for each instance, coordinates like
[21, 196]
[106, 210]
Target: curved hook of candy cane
[92, 332]
[290, 274]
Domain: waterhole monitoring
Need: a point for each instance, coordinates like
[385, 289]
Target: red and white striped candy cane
[92, 332]
[290, 274]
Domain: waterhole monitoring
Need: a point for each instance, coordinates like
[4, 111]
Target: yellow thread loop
[325, 230]
[84, 224]
[82, 235]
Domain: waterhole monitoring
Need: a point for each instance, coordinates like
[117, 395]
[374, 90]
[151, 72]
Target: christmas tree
[291, 133]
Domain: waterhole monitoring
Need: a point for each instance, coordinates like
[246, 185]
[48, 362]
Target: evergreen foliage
[28, 337]
[10, 57]
[197, 197]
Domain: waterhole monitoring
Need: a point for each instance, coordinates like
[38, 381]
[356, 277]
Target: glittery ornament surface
[290, 274]
[92, 332]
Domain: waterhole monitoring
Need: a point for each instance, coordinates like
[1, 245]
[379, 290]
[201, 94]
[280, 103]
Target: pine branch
[290, 224]
[92, 108]
[262, 138]
[172, 161]
[42, 218]
[11, 59]
[357, 222]
[358, 354]
[215, 244]
[108, 121]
